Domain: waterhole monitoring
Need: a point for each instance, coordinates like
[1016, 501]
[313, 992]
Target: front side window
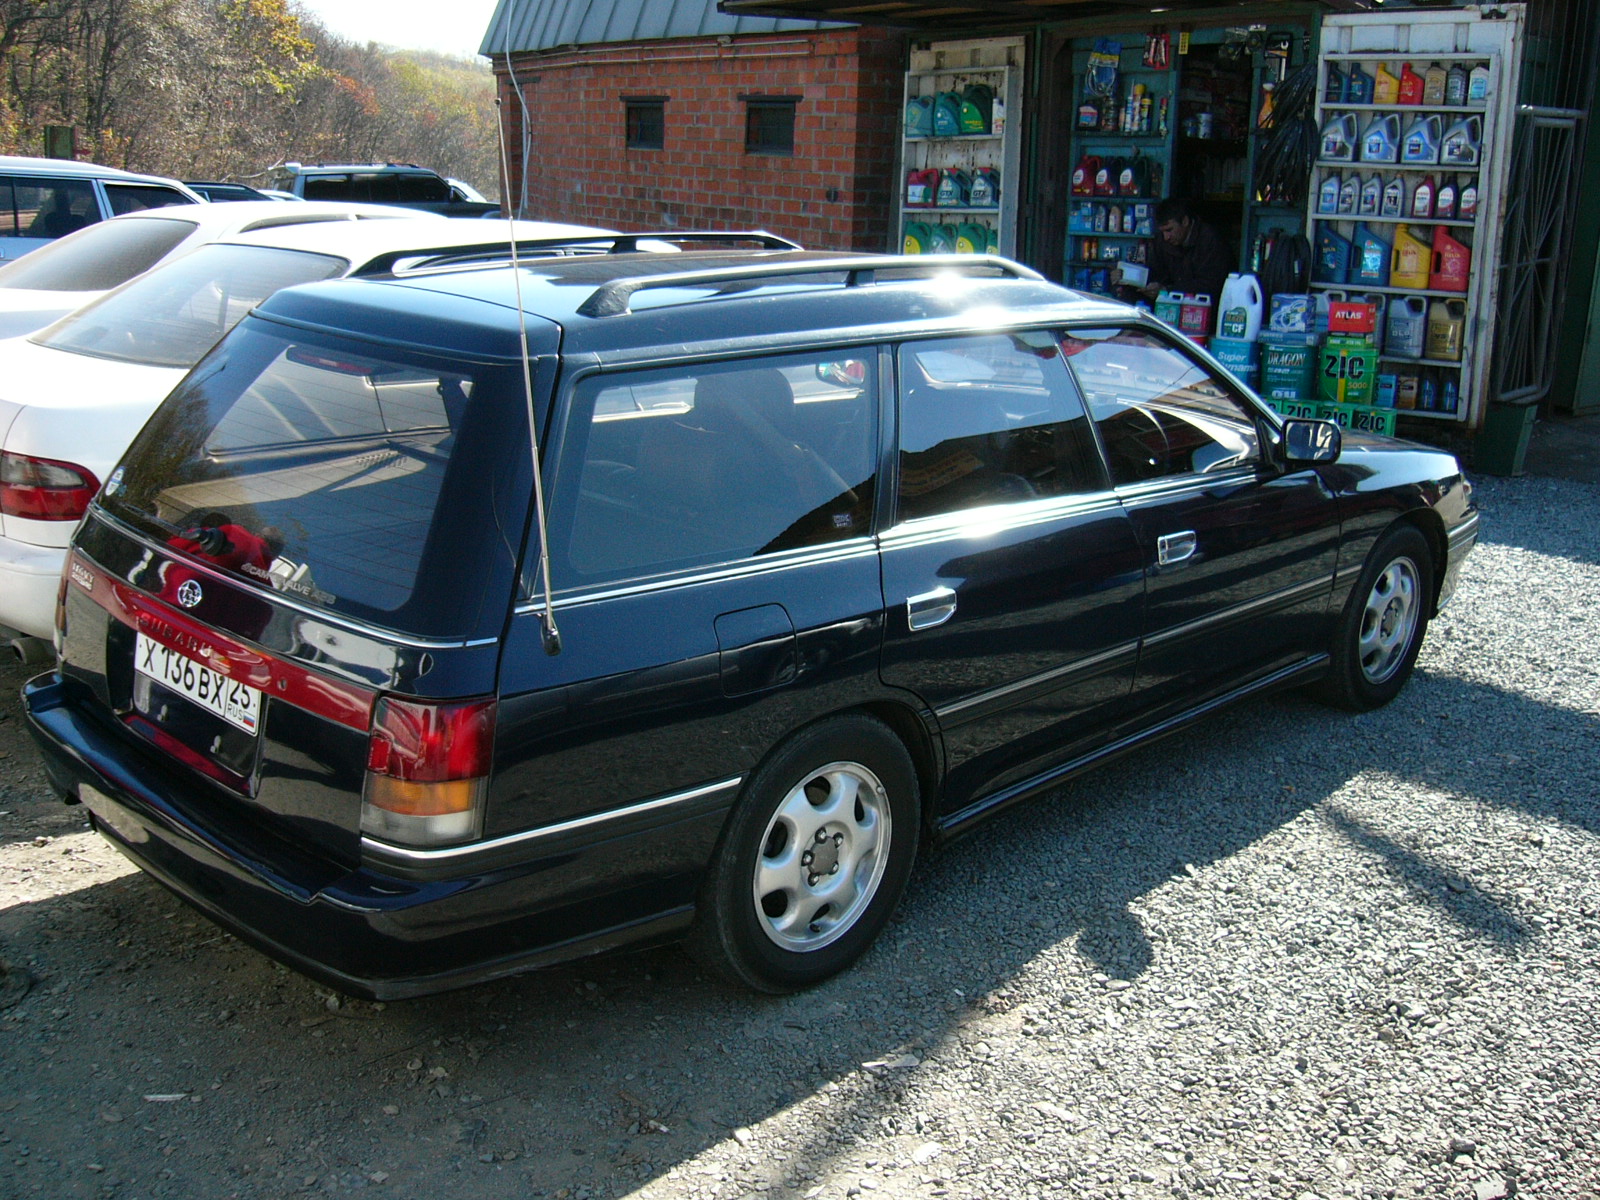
[421, 189]
[46, 208]
[136, 197]
[769, 124]
[646, 118]
[991, 419]
[173, 315]
[689, 466]
[1158, 411]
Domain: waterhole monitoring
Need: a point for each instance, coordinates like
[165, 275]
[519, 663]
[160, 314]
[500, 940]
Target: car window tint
[990, 419]
[422, 189]
[135, 197]
[177, 312]
[1159, 411]
[327, 187]
[695, 465]
[99, 258]
[47, 208]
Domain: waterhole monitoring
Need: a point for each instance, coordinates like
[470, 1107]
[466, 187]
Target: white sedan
[73, 395]
[71, 271]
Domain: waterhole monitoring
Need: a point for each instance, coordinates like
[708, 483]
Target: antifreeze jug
[1240, 308]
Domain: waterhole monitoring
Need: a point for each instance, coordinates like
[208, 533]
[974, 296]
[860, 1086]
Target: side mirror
[1311, 441]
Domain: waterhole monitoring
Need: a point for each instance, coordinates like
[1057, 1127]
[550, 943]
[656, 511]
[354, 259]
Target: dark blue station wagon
[828, 556]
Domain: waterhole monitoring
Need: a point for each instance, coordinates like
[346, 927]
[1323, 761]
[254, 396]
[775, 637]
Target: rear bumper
[363, 931]
[29, 578]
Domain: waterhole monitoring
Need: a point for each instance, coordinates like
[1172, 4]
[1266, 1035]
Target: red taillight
[427, 770]
[43, 489]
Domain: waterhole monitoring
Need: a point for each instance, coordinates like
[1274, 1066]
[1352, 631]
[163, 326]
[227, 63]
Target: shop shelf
[1414, 168]
[1452, 363]
[1465, 110]
[1391, 291]
[1335, 217]
[935, 209]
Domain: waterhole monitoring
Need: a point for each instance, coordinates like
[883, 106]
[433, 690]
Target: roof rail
[499, 251]
[613, 299]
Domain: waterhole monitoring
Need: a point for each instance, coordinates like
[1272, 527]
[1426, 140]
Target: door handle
[930, 608]
[1173, 548]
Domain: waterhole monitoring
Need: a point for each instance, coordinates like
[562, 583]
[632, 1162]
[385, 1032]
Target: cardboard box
[1352, 316]
[1348, 371]
[1359, 418]
[1289, 371]
[1294, 408]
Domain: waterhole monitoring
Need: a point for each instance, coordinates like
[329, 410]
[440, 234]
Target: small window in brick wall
[769, 124]
[647, 122]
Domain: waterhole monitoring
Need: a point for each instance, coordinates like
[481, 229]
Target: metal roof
[524, 25]
[951, 15]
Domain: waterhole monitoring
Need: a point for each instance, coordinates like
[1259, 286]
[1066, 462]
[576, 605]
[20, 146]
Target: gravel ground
[1292, 953]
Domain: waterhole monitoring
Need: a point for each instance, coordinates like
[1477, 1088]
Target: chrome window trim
[451, 854]
[833, 551]
[321, 614]
[982, 521]
[1175, 485]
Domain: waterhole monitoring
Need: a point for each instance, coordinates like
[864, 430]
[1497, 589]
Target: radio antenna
[551, 636]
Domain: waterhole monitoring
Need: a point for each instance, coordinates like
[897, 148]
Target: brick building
[642, 116]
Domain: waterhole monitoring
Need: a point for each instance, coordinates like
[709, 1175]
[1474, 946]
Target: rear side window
[386, 487]
[991, 419]
[1159, 412]
[136, 197]
[685, 467]
[46, 208]
[113, 253]
[328, 187]
[172, 316]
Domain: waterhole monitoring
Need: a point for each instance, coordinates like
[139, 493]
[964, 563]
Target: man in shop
[1187, 257]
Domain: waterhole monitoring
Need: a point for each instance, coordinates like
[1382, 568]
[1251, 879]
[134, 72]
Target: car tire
[1381, 629]
[814, 858]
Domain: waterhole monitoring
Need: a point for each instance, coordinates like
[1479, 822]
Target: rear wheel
[1381, 629]
[815, 857]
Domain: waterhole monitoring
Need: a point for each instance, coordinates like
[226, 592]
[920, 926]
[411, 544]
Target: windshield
[98, 258]
[388, 487]
[172, 316]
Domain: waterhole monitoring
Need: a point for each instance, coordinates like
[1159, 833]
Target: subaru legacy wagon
[446, 625]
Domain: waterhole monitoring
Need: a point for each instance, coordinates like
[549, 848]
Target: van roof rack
[614, 298]
[497, 253]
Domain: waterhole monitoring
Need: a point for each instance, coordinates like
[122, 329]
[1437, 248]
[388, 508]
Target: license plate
[239, 704]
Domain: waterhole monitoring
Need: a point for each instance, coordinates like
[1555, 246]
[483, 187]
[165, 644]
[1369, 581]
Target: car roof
[396, 168]
[16, 164]
[360, 242]
[241, 216]
[767, 301]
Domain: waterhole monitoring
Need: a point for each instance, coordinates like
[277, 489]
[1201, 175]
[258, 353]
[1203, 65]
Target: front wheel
[1381, 629]
[814, 859]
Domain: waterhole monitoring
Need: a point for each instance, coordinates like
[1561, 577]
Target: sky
[455, 28]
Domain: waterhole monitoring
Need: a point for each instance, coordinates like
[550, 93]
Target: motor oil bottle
[943, 239]
[1447, 322]
[1422, 199]
[1333, 88]
[1455, 86]
[1478, 86]
[1349, 194]
[1406, 327]
[1332, 263]
[1113, 218]
[1105, 177]
[1452, 262]
[1413, 260]
[1461, 144]
[1381, 141]
[1450, 394]
[971, 238]
[1083, 175]
[954, 188]
[985, 191]
[977, 99]
[918, 238]
[1444, 205]
[919, 117]
[1393, 203]
[1240, 308]
[1328, 195]
[1371, 196]
[1132, 179]
[947, 115]
[1372, 259]
[1411, 85]
[991, 239]
[1428, 393]
[1358, 85]
[1405, 392]
[920, 188]
[1421, 143]
[1467, 206]
[1385, 86]
[1339, 138]
[1433, 84]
